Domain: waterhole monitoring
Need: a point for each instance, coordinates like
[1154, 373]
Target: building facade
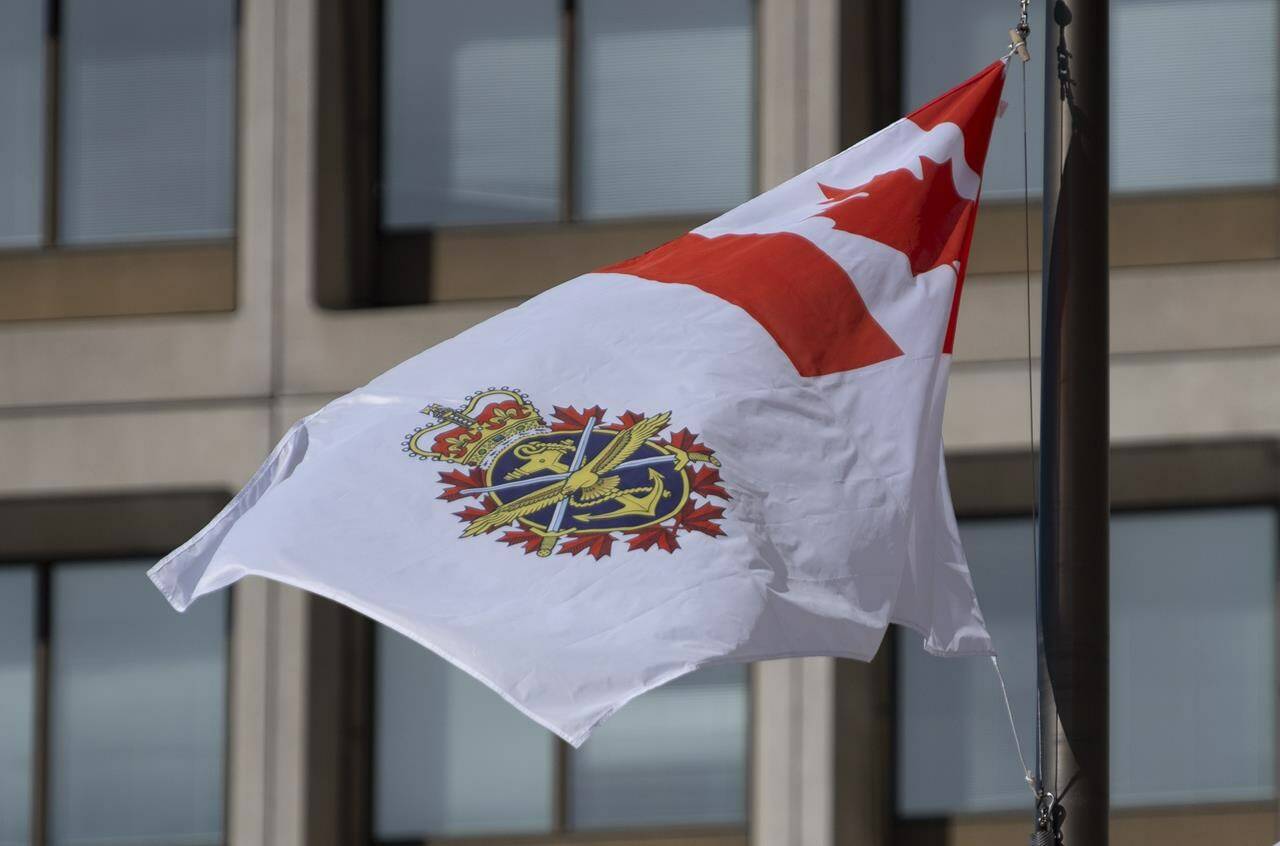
[223, 215]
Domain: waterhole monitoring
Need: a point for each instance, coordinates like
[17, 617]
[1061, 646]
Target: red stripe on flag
[792, 288]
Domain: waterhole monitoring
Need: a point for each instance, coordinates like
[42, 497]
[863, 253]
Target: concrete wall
[172, 402]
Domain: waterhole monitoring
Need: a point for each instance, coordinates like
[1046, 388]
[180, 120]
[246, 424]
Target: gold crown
[474, 433]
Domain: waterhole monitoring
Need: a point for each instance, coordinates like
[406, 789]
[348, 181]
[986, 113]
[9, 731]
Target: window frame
[561, 831]
[51, 280]
[1159, 478]
[359, 264]
[1178, 226]
[341, 728]
[126, 526]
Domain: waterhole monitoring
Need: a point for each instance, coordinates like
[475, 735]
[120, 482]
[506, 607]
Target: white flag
[727, 449]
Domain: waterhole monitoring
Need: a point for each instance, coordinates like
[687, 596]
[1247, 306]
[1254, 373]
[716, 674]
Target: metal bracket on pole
[1049, 817]
[1018, 35]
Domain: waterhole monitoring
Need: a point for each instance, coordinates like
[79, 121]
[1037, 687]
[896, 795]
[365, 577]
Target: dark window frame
[53, 280]
[1147, 228]
[342, 728]
[112, 527]
[561, 830]
[1158, 478]
[359, 264]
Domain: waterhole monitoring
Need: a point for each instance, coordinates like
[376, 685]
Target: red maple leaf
[596, 545]
[688, 441]
[923, 217]
[571, 418]
[472, 512]
[706, 481]
[531, 540]
[460, 484]
[626, 421]
[659, 536]
[700, 518]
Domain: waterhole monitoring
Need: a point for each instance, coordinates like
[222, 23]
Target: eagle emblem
[578, 484]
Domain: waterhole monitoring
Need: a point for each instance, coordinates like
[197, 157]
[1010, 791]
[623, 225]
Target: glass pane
[22, 130]
[674, 756]
[954, 747]
[1192, 658]
[450, 756]
[471, 105]
[137, 716]
[17, 696]
[146, 143]
[665, 106]
[1194, 92]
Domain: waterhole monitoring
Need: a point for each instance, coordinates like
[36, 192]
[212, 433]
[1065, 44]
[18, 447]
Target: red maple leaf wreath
[697, 515]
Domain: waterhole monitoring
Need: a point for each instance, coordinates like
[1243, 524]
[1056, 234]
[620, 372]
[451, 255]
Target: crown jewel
[473, 433]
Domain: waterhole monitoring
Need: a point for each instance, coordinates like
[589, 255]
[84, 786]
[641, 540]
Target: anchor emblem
[573, 484]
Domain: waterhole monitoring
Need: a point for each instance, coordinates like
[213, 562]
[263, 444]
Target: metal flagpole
[1073, 630]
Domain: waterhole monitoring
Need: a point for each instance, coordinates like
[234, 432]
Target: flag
[726, 449]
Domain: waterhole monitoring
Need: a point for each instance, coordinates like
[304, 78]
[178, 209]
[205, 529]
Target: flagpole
[1073, 630]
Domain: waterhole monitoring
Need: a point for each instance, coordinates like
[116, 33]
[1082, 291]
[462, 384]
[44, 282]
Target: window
[452, 759]
[465, 144]
[1195, 140]
[492, 116]
[113, 722]
[1192, 657]
[1181, 118]
[121, 132]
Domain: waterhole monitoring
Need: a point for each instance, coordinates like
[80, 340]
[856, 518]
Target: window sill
[178, 278]
[1152, 229]
[476, 263]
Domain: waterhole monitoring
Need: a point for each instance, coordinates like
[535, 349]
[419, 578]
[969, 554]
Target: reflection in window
[137, 713]
[664, 106]
[674, 756]
[477, 109]
[22, 129]
[1183, 117]
[451, 756]
[1192, 657]
[472, 103]
[17, 697]
[146, 134]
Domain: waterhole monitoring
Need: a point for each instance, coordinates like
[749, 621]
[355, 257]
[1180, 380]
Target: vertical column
[819, 741]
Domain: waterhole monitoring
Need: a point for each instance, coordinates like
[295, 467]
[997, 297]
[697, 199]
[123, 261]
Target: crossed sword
[579, 456]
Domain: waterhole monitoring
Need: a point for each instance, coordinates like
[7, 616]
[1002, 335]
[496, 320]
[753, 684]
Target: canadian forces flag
[727, 449]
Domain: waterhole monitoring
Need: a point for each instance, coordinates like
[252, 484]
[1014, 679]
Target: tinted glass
[137, 715]
[147, 132]
[1195, 88]
[665, 106]
[451, 757]
[17, 696]
[1195, 93]
[1192, 658]
[674, 756]
[471, 106]
[22, 98]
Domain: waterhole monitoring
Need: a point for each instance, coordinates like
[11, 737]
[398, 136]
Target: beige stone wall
[195, 401]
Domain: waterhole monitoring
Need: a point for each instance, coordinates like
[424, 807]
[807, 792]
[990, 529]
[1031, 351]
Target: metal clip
[1049, 817]
[1018, 44]
[1018, 35]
